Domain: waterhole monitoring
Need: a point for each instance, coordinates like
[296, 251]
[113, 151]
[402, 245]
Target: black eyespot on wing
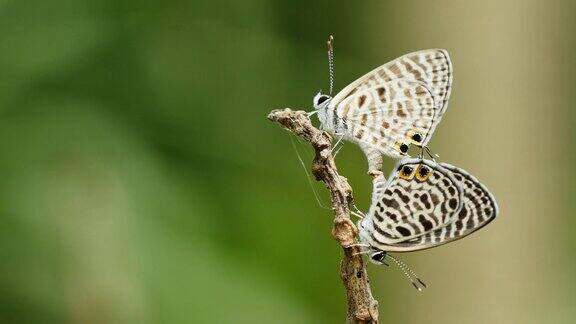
[417, 137]
[423, 171]
[403, 148]
[407, 170]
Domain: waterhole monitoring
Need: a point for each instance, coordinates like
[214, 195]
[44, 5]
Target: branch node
[344, 231]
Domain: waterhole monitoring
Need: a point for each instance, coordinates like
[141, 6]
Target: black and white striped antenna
[330, 45]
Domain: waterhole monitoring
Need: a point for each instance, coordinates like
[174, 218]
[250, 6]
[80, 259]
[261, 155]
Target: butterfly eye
[406, 172]
[423, 173]
[322, 99]
[378, 257]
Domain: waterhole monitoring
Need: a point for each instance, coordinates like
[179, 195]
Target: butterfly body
[329, 120]
[392, 107]
[425, 204]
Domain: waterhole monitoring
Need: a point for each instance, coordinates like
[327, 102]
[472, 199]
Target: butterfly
[390, 108]
[422, 205]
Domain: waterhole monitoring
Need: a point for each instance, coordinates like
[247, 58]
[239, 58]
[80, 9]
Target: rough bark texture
[362, 307]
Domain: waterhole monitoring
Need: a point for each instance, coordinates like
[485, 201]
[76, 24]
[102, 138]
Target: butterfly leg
[311, 113]
[336, 149]
[357, 245]
[432, 155]
[362, 248]
[357, 213]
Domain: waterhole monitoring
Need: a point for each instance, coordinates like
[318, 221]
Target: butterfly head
[365, 226]
[321, 101]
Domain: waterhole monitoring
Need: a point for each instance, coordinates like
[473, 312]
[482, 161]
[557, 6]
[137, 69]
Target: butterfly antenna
[335, 148]
[308, 177]
[330, 45]
[416, 282]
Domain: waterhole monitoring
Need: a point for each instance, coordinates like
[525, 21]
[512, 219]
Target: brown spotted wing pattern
[397, 104]
[425, 204]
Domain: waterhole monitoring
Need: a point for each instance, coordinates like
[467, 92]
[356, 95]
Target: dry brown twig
[362, 307]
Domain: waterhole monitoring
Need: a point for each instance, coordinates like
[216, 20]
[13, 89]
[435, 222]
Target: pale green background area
[141, 182]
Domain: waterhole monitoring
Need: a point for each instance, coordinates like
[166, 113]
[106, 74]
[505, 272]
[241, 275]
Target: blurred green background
[141, 182]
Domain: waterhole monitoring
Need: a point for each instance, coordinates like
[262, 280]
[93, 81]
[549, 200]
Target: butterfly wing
[389, 115]
[478, 209]
[427, 69]
[419, 198]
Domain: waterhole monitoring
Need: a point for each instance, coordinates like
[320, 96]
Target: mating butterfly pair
[423, 204]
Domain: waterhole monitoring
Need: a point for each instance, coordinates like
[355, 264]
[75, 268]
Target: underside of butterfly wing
[395, 105]
[478, 209]
[431, 67]
[388, 118]
[419, 197]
